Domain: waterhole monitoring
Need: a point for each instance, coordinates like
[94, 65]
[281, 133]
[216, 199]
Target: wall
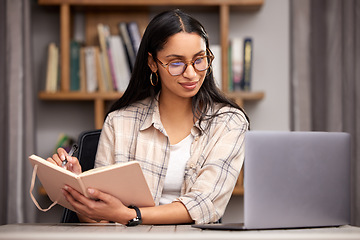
[271, 71]
[270, 30]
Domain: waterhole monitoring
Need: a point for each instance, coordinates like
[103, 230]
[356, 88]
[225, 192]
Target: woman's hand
[73, 164]
[109, 208]
[100, 206]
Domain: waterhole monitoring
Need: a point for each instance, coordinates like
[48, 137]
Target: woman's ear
[151, 63]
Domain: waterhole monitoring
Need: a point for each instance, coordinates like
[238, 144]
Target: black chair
[88, 142]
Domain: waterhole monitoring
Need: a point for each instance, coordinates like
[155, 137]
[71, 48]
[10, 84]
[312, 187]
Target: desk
[172, 232]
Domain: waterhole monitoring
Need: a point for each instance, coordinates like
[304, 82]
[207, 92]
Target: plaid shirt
[217, 155]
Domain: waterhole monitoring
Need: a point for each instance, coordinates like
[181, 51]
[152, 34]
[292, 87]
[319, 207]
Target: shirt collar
[152, 117]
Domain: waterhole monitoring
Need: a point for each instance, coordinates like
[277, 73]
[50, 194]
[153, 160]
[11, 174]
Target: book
[90, 69]
[75, 65]
[248, 58]
[230, 79]
[135, 35]
[123, 29]
[82, 70]
[52, 74]
[124, 181]
[48, 68]
[107, 35]
[120, 62]
[104, 56]
[216, 65]
[100, 71]
[103, 68]
[237, 62]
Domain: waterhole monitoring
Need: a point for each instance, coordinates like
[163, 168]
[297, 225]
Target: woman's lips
[189, 85]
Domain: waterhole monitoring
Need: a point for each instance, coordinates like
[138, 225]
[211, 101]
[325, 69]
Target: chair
[88, 142]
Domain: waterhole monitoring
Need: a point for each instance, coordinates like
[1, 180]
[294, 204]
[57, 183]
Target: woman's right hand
[73, 164]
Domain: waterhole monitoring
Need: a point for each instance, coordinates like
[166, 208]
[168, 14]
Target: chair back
[88, 143]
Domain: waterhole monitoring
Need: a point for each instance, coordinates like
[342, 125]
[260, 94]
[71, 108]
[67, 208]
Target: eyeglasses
[177, 67]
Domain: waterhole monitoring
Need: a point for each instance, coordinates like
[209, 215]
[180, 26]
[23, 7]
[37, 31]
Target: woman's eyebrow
[181, 56]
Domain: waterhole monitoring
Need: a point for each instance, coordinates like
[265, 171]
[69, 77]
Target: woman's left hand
[105, 207]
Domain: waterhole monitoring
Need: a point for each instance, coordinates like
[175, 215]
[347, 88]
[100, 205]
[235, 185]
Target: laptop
[294, 180]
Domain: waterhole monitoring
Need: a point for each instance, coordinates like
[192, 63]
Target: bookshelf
[113, 11]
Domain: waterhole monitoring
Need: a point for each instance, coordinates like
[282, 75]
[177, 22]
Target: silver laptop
[294, 180]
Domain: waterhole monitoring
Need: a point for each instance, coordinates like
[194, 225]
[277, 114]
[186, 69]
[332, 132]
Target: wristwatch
[137, 220]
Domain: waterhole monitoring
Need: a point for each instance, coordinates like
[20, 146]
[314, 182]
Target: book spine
[122, 65]
[55, 70]
[52, 68]
[107, 82]
[216, 65]
[90, 66]
[135, 36]
[82, 70]
[100, 71]
[230, 79]
[112, 68]
[74, 66]
[237, 53]
[48, 69]
[113, 80]
[103, 49]
[248, 59]
[128, 45]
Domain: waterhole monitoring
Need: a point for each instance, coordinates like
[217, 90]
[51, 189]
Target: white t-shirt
[179, 155]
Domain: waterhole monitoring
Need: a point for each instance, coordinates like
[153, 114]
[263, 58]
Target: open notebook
[124, 181]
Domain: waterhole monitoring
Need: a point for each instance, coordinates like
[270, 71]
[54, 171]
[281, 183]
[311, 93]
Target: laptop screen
[296, 179]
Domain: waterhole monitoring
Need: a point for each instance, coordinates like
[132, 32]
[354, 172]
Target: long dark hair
[161, 27]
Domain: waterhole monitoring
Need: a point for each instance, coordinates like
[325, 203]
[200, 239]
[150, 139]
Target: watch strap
[137, 220]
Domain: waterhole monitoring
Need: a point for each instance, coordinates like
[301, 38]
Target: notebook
[294, 180]
[124, 181]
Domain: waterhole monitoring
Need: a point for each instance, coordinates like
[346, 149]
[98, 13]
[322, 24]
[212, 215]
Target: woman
[188, 138]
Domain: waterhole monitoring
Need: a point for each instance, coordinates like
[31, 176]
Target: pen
[71, 152]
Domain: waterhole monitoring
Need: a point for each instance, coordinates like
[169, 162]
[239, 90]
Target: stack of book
[106, 67]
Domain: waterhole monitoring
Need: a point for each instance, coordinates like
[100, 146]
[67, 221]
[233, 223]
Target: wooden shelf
[79, 96]
[85, 96]
[246, 95]
[240, 97]
[247, 4]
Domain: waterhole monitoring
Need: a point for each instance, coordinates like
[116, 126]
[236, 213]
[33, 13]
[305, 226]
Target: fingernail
[66, 187]
[90, 190]
[62, 157]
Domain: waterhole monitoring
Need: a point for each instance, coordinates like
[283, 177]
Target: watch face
[134, 222]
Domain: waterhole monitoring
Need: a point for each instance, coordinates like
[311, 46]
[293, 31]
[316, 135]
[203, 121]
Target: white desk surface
[168, 232]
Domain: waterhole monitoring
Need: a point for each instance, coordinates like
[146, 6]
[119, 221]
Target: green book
[75, 65]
